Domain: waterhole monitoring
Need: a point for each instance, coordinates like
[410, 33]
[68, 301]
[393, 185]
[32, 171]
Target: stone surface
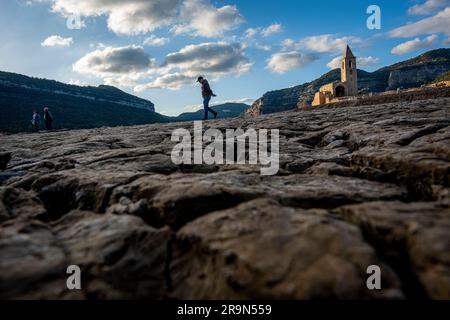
[357, 186]
[414, 232]
[5, 157]
[261, 250]
[119, 256]
[20, 204]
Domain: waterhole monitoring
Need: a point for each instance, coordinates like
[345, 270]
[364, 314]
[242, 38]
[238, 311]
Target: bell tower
[349, 72]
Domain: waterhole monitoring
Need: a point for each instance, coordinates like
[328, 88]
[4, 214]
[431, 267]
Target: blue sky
[156, 49]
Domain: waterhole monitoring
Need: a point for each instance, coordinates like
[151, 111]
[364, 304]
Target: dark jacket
[206, 89]
[48, 117]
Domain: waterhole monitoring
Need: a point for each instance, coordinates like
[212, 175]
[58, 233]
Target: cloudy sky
[157, 48]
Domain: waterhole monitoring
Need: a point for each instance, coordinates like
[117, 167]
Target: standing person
[207, 95]
[48, 119]
[36, 120]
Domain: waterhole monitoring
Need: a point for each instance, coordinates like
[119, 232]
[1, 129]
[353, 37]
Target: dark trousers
[206, 107]
[48, 125]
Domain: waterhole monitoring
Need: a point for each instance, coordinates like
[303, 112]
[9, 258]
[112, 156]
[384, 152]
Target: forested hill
[73, 107]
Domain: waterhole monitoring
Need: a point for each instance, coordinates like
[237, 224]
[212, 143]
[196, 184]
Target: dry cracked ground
[357, 186]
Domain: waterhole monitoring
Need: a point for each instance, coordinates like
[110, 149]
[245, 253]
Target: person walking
[207, 94]
[48, 119]
[36, 120]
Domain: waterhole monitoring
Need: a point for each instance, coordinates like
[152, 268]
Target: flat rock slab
[5, 157]
[119, 257]
[414, 238]
[179, 199]
[357, 186]
[261, 250]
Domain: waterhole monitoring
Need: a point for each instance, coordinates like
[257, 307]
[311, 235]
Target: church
[348, 86]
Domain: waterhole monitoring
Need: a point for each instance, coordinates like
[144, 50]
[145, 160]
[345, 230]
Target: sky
[156, 49]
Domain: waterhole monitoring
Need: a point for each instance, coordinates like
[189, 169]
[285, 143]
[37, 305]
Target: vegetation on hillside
[70, 112]
[444, 77]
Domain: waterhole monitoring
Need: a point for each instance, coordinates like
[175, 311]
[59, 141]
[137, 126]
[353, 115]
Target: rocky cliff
[358, 186]
[407, 74]
[102, 93]
[72, 106]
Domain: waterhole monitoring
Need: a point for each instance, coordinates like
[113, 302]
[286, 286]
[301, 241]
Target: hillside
[227, 110]
[357, 187]
[407, 74]
[444, 77]
[76, 107]
[72, 106]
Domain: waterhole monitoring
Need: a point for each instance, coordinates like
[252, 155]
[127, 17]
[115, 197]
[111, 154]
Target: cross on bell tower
[349, 72]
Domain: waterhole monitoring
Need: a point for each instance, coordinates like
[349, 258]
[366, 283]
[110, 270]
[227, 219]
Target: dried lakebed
[357, 186]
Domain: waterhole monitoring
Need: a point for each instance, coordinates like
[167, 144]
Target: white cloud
[130, 65]
[361, 62]
[335, 63]
[129, 60]
[172, 81]
[414, 45]
[321, 44]
[288, 44]
[154, 41]
[126, 16]
[367, 61]
[33, 2]
[77, 82]
[131, 17]
[213, 58]
[263, 47]
[251, 32]
[57, 41]
[124, 80]
[435, 24]
[272, 29]
[265, 32]
[290, 58]
[283, 62]
[428, 7]
[97, 45]
[203, 19]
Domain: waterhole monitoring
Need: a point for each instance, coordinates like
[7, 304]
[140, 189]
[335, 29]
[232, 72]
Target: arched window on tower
[350, 64]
